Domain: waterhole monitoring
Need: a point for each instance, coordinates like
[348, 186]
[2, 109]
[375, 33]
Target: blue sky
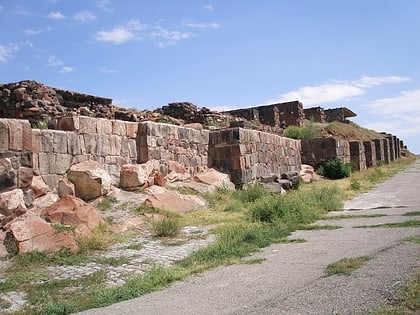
[225, 54]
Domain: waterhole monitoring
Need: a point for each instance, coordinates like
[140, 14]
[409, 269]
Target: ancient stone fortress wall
[243, 153]
[357, 155]
[248, 154]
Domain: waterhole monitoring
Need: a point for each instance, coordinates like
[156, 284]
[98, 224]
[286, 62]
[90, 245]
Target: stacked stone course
[169, 143]
[315, 151]
[357, 155]
[370, 153]
[248, 154]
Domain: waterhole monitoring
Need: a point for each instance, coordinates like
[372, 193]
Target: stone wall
[248, 154]
[370, 153]
[112, 143]
[357, 155]
[187, 147]
[280, 115]
[16, 158]
[37, 102]
[315, 151]
[380, 150]
[316, 114]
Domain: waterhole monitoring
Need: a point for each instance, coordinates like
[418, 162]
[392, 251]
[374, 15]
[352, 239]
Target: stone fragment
[10, 200]
[136, 175]
[38, 186]
[72, 211]
[25, 176]
[214, 178]
[293, 177]
[159, 179]
[4, 131]
[7, 174]
[90, 180]
[28, 197]
[70, 123]
[29, 232]
[44, 201]
[65, 188]
[174, 201]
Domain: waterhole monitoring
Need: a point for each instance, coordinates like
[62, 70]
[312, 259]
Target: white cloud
[85, 16]
[167, 37]
[66, 69]
[132, 30]
[208, 7]
[104, 5]
[212, 25]
[56, 15]
[117, 35]
[406, 102]
[334, 91]
[53, 61]
[106, 70]
[5, 53]
[30, 31]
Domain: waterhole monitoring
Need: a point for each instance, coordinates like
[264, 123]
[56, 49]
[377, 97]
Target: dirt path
[291, 279]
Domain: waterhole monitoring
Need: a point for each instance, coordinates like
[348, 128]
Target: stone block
[87, 125]
[4, 132]
[132, 129]
[15, 134]
[115, 145]
[51, 180]
[73, 144]
[62, 163]
[25, 175]
[118, 128]
[90, 141]
[47, 141]
[70, 123]
[60, 142]
[102, 148]
[103, 126]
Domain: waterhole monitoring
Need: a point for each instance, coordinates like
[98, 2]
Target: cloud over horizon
[336, 90]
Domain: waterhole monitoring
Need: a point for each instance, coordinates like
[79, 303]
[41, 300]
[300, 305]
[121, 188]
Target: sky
[225, 54]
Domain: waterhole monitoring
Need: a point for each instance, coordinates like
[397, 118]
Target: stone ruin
[92, 146]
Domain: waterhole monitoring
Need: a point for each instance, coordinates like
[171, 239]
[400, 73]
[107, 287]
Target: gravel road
[291, 279]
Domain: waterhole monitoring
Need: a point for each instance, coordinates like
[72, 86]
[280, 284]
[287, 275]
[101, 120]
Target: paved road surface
[291, 280]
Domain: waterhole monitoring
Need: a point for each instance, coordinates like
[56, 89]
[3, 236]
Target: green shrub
[355, 185]
[307, 131]
[250, 193]
[293, 132]
[166, 227]
[334, 169]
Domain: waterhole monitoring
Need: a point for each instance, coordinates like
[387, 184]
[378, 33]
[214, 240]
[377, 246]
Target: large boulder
[29, 232]
[72, 211]
[174, 201]
[90, 180]
[293, 177]
[214, 179]
[136, 175]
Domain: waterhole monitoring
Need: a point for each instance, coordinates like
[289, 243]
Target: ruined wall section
[249, 154]
[177, 148]
[315, 151]
[357, 155]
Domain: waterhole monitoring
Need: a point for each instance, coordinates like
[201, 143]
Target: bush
[307, 131]
[334, 169]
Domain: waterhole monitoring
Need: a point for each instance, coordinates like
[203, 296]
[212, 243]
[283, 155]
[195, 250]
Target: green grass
[112, 261]
[318, 227]
[414, 239]
[243, 222]
[412, 213]
[252, 261]
[168, 227]
[106, 203]
[346, 266]
[352, 216]
[135, 246]
[407, 302]
[410, 223]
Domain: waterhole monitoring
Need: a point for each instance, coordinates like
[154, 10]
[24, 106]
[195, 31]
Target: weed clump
[166, 228]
